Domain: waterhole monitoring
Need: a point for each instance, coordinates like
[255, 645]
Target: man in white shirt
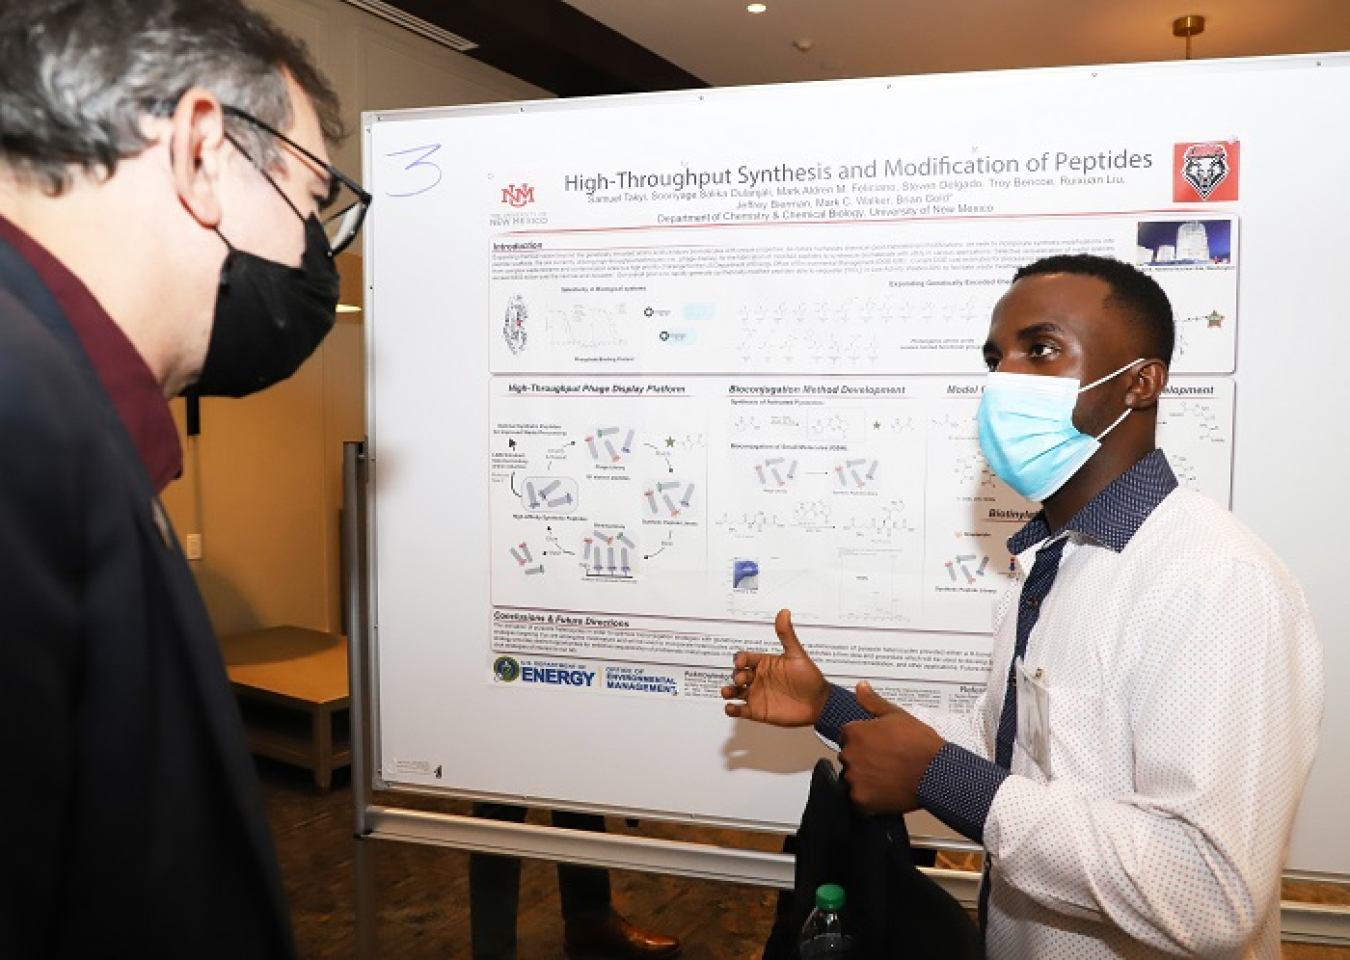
[1134, 766]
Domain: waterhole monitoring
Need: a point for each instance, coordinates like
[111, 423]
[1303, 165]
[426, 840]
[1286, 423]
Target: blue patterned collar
[1112, 516]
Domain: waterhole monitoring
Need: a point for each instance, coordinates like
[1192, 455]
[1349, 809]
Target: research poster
[743, 376]
[643, 370]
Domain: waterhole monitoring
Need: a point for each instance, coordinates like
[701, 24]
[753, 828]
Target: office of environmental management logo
[506, 669]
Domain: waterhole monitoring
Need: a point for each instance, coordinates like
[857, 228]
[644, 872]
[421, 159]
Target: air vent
[416, 24]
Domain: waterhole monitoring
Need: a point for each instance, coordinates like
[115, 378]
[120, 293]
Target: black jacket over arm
[894, 910]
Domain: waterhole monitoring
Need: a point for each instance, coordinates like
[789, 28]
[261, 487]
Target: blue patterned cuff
[959, 787]
[842, 707]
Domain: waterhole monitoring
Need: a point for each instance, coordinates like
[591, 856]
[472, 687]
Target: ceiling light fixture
[756, 8]
[1188, 27]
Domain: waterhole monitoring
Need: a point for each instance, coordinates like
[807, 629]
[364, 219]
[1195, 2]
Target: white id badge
[1033, 717]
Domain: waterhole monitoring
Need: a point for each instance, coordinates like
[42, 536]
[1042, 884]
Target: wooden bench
[293, 692]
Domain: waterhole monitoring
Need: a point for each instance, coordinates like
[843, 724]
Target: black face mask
[269, 317]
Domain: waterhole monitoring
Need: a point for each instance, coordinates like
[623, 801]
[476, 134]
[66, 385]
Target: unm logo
[518, 195]
[1205, 165]
[514, 328]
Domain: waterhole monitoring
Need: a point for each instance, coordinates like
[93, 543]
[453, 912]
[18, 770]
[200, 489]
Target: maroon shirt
[123, 372]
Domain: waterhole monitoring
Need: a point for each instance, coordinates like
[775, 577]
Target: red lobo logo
[1205, 171]
[518, 195]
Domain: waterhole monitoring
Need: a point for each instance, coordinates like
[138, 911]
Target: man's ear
[196, 153]
[1150, 377]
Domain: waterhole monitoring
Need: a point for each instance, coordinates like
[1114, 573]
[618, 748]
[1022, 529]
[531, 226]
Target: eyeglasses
[345, 196]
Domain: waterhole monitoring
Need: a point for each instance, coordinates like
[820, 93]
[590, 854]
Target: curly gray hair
[78, 77]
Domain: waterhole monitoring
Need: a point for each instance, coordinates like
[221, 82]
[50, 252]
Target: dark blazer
[133, 823]
[894, 911]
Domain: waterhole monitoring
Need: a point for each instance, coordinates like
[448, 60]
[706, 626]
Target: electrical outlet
[194, 546]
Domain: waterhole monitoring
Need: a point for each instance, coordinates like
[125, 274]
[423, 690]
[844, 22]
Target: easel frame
[1300, 922]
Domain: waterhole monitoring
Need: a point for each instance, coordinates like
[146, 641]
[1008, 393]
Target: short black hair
[1132, 291]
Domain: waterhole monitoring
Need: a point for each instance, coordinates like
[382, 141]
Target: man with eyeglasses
[168, 223]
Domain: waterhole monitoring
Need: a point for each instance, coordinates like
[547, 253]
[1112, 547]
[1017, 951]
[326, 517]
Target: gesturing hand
[786, 690]
[885, 759]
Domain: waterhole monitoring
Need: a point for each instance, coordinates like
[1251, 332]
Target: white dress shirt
[1184, 683]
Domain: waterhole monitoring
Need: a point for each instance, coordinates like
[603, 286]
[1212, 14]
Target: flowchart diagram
[854, 502]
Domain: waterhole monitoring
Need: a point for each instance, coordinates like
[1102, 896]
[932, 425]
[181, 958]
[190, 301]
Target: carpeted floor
[422, 905]
[422, 892]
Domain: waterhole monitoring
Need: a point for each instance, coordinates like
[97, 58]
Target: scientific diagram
[855, 503]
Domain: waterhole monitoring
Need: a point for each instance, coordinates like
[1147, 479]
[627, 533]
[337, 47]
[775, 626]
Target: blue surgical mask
[1027, 432]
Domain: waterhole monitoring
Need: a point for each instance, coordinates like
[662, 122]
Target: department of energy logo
[506, 669]
[1205, 171]
[555, 673]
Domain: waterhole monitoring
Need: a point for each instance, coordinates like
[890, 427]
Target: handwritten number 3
[423, 167]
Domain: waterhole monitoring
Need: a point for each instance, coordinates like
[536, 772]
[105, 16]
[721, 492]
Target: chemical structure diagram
[818, 516]
[768, 336]
[749, 522]
[745, 423]
[1196, 435]
[827, 334]
[895, 426]
[953, 318]
[1185, 470]
[1198, 418]
[972, 469]
[835, 424]
[855, 331]
[882, 527]
[666, 446]
[839, 333]
[1190, 329]
[788, 424]
[811, 514]
[958, 428]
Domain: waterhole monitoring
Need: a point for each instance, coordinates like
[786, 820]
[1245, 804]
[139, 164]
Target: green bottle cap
[830, 896]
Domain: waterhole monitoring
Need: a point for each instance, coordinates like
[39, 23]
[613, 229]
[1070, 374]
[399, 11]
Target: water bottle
[823, 935]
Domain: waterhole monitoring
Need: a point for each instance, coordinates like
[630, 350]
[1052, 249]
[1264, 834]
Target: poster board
[645, 369]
